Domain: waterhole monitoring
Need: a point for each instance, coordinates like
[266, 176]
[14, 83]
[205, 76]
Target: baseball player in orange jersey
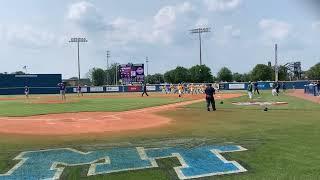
[191, 88]
[180, 89]
[172, 88]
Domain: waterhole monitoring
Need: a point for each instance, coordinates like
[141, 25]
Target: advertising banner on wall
[112, 89]
[134, 88]
[83, 89]
[96, 89]
[151, 88]
[237, 86]
[221, 86]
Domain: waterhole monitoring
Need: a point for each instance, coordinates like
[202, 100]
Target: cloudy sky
[243, 32]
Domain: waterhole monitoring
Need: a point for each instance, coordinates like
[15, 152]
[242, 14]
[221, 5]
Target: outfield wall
[31, 80]
[12, 84]
[263, 85]
[136, 88]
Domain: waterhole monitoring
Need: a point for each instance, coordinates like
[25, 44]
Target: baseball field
[126, 136]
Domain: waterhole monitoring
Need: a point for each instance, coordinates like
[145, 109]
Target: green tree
[238, 77]
[112, 74]
[155, 78]
[18, 72]
[181, 75]
[200, 74]
[246, 77]
[225, 74]
[261, 72]
[314, 72]
[283, 73]
[169, 76]
[98, 76]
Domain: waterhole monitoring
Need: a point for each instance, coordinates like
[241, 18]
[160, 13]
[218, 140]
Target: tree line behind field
[198, 74]
[203, 74]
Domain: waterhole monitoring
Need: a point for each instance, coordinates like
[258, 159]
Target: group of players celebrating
[253, 88]
[185, 89]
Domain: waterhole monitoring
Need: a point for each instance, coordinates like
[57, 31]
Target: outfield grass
[282, 143]
[24, 108]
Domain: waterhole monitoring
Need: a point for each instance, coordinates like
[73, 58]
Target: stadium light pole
[147, 63]
[78, 41]
[276, 70]
[116, 74]
[108, 56]
[199, 31]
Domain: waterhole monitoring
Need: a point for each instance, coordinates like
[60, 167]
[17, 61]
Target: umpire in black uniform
[144, 90]
[210, 91]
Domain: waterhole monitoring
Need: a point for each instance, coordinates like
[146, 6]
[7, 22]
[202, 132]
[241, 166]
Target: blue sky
[243, 32]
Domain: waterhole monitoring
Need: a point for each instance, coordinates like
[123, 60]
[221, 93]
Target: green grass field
[9, 108]
[282, 143]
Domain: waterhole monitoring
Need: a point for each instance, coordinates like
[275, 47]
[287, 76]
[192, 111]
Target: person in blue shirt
[144, 90]
[256, 88]
[26, 91]
[210, 91]
[62, 88]
[79, 91]
[318, 87]
[284, 86]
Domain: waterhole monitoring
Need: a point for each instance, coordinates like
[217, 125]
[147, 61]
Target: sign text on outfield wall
[96, 89]
[112, 89]
[237, 86]
[83, 89]
[151, 88]
[201, 161]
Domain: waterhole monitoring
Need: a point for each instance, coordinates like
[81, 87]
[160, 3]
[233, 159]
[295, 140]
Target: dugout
[11, 84]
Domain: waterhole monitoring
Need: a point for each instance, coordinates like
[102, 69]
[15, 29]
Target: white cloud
[26, 36]
[185, 7]
[274, 29]
[162, 26]
[231, 31]
[201, 22]
[1, 32]
[165, 17]
[122, 30]
[222, 5]
[87, 16]
[316, 25]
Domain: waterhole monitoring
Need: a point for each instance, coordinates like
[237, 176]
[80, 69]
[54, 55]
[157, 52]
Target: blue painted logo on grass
[195, 162]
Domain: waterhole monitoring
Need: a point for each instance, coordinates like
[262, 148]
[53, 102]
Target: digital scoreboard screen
[130, 73]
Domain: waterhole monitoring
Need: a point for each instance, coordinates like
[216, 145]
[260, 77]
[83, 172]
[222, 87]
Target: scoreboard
[131, 73]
